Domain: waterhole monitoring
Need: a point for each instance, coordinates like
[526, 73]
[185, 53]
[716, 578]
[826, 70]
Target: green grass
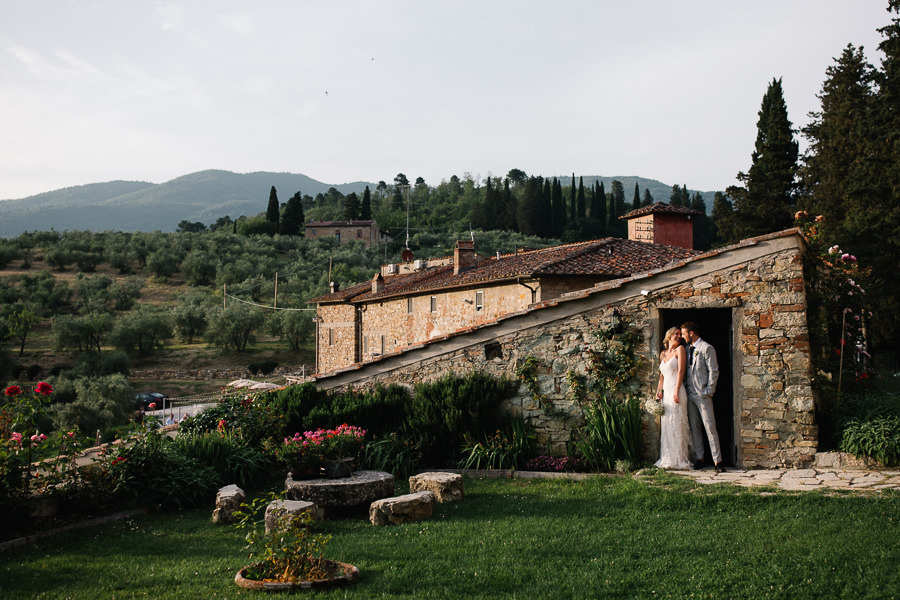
[614, 537]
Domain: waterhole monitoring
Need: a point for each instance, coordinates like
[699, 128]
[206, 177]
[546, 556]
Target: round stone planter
[346, 573]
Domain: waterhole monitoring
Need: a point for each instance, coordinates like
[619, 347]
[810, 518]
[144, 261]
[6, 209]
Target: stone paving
[818, 478]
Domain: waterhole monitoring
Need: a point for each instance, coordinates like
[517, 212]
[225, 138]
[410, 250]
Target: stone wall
[760, 284]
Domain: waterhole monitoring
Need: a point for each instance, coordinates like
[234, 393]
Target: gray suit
[700, 383]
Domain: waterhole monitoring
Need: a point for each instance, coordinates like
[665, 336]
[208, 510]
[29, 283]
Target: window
[337, 234]
[479, 300]
[330, 337]
[382, 344]
[434, 304]
[409, 304]
[359, 233]
[493, 350]
[314, 232]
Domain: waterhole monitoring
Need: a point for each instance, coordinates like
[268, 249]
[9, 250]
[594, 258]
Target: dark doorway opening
[716, 328]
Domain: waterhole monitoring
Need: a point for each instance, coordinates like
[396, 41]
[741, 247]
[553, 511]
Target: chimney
[463, 256]
[334, 286]
[377, 283]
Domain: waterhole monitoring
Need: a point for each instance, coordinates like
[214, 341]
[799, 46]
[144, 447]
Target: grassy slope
[611, 537]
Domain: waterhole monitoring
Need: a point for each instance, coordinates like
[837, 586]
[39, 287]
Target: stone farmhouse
[347, 231]
[418, 324]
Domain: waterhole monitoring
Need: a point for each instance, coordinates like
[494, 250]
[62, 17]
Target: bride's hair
[669, 333]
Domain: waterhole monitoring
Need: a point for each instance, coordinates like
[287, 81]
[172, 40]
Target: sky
[343, 91]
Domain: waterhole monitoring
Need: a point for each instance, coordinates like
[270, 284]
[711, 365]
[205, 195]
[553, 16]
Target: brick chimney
[463, 256]
[377, 283]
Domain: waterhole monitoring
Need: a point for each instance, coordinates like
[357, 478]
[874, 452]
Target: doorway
[716, 327]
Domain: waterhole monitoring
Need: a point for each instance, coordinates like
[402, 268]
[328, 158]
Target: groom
[700, 383]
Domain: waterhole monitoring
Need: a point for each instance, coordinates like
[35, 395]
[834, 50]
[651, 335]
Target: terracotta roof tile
[660, 208]
[608, 258]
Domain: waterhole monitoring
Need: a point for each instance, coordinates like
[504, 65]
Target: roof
[340, 223]
[660, 208]
[608, 258]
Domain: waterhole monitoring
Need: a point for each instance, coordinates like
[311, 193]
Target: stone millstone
[361, 488]
[402, 509]
[447, 487]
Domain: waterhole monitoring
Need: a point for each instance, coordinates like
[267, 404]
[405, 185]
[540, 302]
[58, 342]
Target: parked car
[145, 399]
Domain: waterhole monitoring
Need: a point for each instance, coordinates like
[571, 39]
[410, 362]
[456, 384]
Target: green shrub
[252, 419]
[611, 431]
[149, 470]
[877, 438]
[378, 412]
[400, 455]
[263, 367]
[507, 449]
[233, 460]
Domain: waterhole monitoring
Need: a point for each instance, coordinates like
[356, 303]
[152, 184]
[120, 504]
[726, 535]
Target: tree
[765, 203]
[292, 217]
[351, 206]
[636, 200]
[142, 331]
[293, 326]
[530, 210]
[365, 209]
[598, 205]
[617, 208]
[517, 177]
[272, 211]
[559, 209]
[723, 218]
[189, 316]
[233, 327]
[19, 323]
[648, 198]
[582, 202]
[186, 226]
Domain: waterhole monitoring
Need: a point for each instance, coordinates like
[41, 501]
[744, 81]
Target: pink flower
[13, 390]
[152, 406]
[71, 434]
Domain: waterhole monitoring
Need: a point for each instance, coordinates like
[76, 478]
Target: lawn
[616, 537]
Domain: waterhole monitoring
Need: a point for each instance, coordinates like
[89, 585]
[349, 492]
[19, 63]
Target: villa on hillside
[347, 231]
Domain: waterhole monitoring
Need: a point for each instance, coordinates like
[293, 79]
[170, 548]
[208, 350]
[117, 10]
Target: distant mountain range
[203, 196]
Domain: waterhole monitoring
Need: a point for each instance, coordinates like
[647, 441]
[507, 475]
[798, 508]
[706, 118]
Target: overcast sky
[99, 90]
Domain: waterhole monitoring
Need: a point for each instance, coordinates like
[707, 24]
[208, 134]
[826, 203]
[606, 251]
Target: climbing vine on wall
[527, 373]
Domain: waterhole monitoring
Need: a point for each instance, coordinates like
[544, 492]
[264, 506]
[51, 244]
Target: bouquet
[654, 406]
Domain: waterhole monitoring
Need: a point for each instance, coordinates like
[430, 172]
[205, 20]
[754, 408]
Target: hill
[141, 206]
[203, 196]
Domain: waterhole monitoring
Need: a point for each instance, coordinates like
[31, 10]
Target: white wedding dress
[675, 433]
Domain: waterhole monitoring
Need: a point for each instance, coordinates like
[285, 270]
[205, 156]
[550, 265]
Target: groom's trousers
[701, 417]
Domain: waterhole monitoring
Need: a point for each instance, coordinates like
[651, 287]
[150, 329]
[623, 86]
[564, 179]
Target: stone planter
[346, 573]
[336, 468]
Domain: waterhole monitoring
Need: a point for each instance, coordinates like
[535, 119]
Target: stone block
[446, 487]
[279, 513]
[228, 501]
[402, 509]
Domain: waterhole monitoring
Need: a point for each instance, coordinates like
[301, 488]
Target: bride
[675, 435]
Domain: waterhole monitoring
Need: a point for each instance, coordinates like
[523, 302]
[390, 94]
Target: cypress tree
[765, 202]
[617, 204]
[602, 203]
[547, 210]
[582, 203]
[636, 201]
[292, 218]
[365, 210]
[559, 209]
[351, 206]
[573, 202]
[273, 209]
[528, 214]
[648, 198]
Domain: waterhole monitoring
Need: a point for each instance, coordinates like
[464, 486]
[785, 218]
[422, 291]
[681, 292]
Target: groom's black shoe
[698, 464]
[720, 468]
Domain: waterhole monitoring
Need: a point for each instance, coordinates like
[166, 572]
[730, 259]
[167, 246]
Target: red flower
[43, 388]
[13, 390]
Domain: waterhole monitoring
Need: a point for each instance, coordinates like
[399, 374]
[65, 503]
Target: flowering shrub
[304, 452]
[19, 437]
[565, 464]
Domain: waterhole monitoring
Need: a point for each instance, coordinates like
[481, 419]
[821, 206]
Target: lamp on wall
[615, 320]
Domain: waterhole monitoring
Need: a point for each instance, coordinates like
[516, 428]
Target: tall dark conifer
[765, 203]
[273, 209]
[365, 209]
[636, 201]
[529, 211]
[573, 202]
[582, 201]
[559, 209]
